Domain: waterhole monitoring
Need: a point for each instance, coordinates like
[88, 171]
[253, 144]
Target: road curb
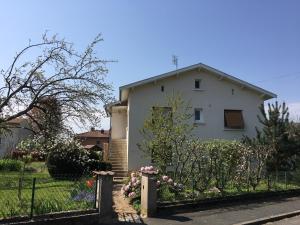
[270, 218]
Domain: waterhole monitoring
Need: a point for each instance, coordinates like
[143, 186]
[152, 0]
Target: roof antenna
[175, 61]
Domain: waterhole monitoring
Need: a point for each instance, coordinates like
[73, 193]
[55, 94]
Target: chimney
[92, 128]
[102, 131]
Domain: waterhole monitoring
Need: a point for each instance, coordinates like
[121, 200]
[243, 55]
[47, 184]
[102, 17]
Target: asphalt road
[229, 215]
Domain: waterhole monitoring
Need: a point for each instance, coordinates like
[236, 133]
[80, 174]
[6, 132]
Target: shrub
[10, 165]
[68, 157]
[96, 165]
[227, 159]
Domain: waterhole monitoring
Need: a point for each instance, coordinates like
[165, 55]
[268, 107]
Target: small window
[233, 119]
[198, 116]
[197, 84]
[162, 88]
[98, 142]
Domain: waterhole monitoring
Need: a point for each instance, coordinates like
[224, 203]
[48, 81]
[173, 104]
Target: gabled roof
[125, 89]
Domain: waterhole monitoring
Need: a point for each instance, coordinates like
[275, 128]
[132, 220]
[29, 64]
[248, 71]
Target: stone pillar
[104, 195]
[148, 194]
[105, 151]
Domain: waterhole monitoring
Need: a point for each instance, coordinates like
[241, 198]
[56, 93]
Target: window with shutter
[233, 119]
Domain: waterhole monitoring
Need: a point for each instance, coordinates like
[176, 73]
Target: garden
[193, 169]
[64, 182]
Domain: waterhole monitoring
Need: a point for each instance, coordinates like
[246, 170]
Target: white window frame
[200, 82]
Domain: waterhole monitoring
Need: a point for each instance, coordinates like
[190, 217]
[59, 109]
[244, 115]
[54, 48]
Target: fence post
[193, 188]
[104, 195]
[285, 180]
[96, 192]
[105, 151]
[32, 197]
[20, 189]
[148, 194]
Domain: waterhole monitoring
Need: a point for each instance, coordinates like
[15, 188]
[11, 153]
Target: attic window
[162, 88]
[197, 83]
[233, 119]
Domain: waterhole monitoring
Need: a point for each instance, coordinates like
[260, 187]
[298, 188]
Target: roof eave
[262, 91]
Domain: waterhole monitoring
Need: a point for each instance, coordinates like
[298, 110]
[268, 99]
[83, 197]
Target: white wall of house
[119, 122]
[214, 96]
[10, 140]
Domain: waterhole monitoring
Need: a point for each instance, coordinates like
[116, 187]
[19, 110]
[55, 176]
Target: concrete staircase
[118, 158]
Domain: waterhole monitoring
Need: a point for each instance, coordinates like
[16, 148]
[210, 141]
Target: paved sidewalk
[228, 215]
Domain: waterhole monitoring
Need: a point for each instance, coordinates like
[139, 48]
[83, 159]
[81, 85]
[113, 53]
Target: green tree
[275, 133]
[166, 134]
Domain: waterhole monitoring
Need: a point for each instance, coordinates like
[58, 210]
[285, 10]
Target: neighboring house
[19, 130]
[93, 138]
[223, 107]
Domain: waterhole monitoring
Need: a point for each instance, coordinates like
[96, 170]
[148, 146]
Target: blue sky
[257, 41]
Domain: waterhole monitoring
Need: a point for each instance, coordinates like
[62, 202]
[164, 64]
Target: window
[98, 142]
[197, 84]
[233, 119]
[198, 114]
[162, 88]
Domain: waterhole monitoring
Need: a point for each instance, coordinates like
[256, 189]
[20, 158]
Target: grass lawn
[51, 195]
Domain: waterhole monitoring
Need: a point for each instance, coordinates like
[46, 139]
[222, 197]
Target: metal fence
[30, 196]
[268, 182]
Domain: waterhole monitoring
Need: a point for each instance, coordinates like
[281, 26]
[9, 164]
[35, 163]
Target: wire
[295, 74]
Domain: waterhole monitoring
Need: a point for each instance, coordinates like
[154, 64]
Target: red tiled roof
[94, 134]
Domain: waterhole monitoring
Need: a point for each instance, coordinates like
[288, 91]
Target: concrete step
[118, 153]
[119, 168]
[119, 181]
[121, 174]
[119, 164]
[115, 159]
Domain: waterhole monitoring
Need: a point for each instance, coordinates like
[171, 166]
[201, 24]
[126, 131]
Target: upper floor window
[233, 119]
[197, 84]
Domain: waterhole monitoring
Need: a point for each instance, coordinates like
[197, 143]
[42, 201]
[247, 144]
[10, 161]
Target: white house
[223, 106]
[19, 130]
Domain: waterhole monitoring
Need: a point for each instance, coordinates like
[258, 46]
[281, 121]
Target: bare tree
[75, 79]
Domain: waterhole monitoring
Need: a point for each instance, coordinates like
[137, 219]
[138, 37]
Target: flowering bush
[165, 185]
[132, 189]
[84, 191]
